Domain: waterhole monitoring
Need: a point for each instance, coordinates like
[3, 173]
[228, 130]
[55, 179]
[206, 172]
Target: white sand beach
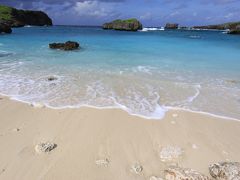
[109, 144]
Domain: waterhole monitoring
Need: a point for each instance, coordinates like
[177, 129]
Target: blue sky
[149, 12]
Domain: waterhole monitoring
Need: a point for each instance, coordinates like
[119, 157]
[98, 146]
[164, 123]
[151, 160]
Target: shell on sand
[45, 147]
[169, 153]
[136, 168]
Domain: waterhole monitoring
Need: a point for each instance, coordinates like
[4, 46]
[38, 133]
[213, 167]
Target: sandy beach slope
[104, 144]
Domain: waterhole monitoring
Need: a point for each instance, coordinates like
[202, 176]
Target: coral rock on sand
[67, 46]
[45, 147]
[170, 153]
[177, 173]
[102, 162]
[225, 170]
[136, 168]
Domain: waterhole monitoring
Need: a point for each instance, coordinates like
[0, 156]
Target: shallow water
[144, 73]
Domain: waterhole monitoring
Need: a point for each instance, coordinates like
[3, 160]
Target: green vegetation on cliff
[132, 20]
[5, 12]
[18, 18]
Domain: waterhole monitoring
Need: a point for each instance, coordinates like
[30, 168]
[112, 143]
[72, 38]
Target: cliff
[231, 25]
[18, 18]
[124, 25]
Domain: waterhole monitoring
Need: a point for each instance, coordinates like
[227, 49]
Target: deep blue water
[144, 73]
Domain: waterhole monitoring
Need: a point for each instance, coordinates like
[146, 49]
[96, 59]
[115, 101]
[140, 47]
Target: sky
[149, 12]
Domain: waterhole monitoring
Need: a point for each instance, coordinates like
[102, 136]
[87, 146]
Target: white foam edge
[160, 110]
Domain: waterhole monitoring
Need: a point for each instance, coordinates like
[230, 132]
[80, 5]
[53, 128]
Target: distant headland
[11, 17]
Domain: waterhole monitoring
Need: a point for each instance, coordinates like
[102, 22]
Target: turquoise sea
[145, 73]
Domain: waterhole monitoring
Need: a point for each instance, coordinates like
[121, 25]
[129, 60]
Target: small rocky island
[11, 18]
[171, 26]
[67, 46]
[124, 25]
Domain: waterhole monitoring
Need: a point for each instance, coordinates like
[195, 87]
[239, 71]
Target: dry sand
[105, 144]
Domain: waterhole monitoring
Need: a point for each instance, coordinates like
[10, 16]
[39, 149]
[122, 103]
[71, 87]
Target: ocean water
[146, 73]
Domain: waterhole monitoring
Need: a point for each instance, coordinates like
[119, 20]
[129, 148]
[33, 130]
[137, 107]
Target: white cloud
[146, 16]
[93, 9]
[176, 13]
[229, 15]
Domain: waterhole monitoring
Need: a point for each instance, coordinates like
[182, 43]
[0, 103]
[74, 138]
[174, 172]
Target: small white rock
[175, 115]
[173, 122]
[15, 129]
[224, 152]
[194, 146]
[155, 178]
[102, 162]
[136, 168]
[169, 153]
[38, 105]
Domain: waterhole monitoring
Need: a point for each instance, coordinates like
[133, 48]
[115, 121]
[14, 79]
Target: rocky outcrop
[171, 26]
[4, 28]
[18, 18]
[177, 173]
[235, 30]
[124, 25]
[225, 170]
[224, 26]
[67, 46]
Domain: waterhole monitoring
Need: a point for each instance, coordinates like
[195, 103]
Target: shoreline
[104, 144]
[164, 109]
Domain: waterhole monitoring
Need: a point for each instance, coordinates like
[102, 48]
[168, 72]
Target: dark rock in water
[19, 18]
[124, 25]
[171, 26]
[5, 54]
[67, 46]
[225, 170]
[232, 81]
[52, 78]
[4, 28]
